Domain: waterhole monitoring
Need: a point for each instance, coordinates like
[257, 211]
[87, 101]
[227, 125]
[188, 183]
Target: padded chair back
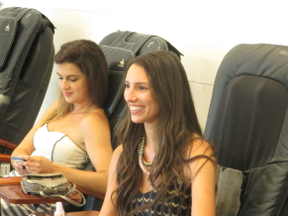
[26, 61]
[115, 106]
[248, 124]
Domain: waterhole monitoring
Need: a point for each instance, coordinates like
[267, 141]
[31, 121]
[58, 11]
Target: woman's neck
[149, 132]
[83, 108]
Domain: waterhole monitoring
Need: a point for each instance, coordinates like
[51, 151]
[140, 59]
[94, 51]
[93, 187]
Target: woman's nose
[64, 84]
[130, 95]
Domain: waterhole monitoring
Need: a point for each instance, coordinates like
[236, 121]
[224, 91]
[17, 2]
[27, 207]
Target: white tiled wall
[204, 30]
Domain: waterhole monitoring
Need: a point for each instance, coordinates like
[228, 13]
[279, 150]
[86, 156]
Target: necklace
[146, 163]
[140, 158]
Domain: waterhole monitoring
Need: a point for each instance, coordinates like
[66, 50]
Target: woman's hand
[37, 164]
[19, 167]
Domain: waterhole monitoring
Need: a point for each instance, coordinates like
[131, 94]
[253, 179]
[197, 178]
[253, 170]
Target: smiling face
[142, 106]
[72, 83]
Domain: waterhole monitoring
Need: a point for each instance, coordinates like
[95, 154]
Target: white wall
[204, 30]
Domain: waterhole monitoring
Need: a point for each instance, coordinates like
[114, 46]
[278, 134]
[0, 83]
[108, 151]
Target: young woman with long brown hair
[164, 166]
[73, 129]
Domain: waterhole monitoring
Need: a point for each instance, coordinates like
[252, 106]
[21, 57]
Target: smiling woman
[73, 129]
[164, 166]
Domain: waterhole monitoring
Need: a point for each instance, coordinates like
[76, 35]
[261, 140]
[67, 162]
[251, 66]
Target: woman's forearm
[93, 181]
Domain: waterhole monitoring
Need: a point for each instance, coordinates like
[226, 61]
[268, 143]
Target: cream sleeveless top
[58, 148]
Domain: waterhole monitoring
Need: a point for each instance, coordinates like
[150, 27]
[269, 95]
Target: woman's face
[142, 106]
[72, 83]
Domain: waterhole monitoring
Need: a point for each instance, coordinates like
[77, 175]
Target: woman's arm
[26, 146]
[203, 180]
[108, 207]
[96, 132]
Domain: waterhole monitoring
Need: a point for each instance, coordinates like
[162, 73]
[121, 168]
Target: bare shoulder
[95, 132]
[201, 154]
[98, 115]
[94, 119]
[118, 151]
[200, 146]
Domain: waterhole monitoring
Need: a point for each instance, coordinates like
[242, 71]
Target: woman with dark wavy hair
[164, 166]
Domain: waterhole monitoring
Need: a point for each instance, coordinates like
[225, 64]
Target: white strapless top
[58, 148]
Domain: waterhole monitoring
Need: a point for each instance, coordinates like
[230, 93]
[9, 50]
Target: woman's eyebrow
[141, 83]
[138, 82]
[72, 75]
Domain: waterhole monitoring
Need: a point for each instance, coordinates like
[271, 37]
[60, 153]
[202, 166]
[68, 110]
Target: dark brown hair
[176, 125]
[89, 57]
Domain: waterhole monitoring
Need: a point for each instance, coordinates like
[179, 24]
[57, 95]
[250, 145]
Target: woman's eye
[142, 88]
[60, 78]
[127, 85]
[73, 80]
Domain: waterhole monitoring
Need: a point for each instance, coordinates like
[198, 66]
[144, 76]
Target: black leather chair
[248, 124]
[26, 61]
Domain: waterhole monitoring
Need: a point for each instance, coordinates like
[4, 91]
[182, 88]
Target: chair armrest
[90, 193]
[10, 180]
[9, 145]
[6, 144]
[5, 158]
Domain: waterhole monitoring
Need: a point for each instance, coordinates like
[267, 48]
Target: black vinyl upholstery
[115, 106]
[26, 67]
[248, 124]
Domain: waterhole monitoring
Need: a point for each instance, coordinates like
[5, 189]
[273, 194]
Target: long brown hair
[90, 59]
[176, 125]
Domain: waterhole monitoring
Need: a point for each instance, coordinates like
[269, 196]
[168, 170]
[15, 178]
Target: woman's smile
[135, 109]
